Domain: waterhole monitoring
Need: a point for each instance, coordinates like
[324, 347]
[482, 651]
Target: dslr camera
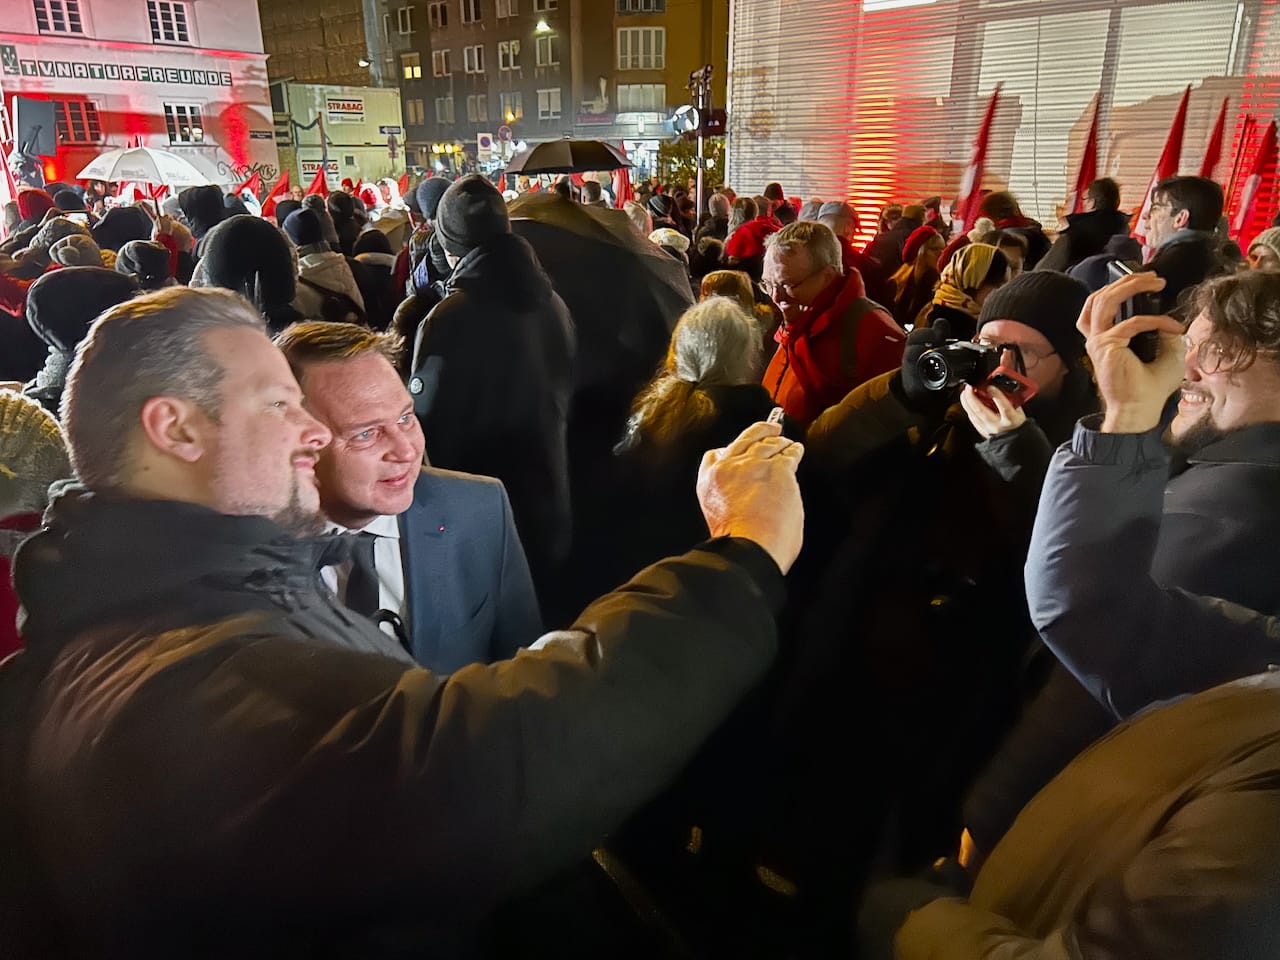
[957, 362]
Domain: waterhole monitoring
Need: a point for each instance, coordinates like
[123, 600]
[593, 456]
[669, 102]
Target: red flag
[970, 195]
[622, 191]
[1168, 165]
[253, 185]
[1251, 216]
[1088, 162]
[1242, 149]
[281, 189]
[403, 183]
[319, 186]
[1213, 152]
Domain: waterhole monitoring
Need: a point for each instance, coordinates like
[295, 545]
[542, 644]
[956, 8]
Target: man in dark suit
[439, 562]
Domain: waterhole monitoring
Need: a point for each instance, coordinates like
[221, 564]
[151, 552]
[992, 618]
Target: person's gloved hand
[913, 392]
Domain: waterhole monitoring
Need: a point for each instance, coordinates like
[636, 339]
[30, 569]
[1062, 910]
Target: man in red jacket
[832, 337]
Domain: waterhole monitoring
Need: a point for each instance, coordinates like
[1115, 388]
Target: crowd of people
[477, 575]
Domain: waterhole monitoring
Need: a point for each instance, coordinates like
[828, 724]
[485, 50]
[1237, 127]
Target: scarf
[963, 276]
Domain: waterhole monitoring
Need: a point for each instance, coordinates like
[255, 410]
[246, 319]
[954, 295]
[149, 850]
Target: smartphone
[1011, 383]
[78, 216]
[1145, 344]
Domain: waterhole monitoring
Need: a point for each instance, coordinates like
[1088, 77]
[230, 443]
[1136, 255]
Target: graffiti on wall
[243, 171]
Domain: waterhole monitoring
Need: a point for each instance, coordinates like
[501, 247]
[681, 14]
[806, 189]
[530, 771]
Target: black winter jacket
[1085, 235]
[203, 754]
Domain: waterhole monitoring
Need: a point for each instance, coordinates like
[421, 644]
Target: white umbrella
[142, 165]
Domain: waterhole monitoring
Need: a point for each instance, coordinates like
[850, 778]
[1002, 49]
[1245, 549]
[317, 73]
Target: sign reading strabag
[345, 109]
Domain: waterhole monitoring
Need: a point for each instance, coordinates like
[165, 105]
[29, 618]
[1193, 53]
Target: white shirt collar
[385, 525]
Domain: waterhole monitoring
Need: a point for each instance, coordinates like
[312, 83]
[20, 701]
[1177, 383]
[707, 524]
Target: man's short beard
[1198, 436]
[297, 519]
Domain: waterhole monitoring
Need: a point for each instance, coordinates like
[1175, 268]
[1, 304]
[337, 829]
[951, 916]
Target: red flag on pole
[1168, 165]
[622, 191]
[970, 195]
[279, 191]
[253, 185]
[1242, 148]
[1088, 162]
[319, 186]
[1251, 215]
[1213, 152]
[403, 183]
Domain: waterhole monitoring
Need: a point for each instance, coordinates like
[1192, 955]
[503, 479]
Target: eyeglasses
[773, 288]
[1209, 353]
[1029, 357]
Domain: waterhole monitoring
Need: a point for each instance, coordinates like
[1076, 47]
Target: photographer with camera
[915, 624]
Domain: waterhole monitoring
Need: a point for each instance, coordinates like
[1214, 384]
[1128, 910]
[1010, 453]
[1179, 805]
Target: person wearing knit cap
[34, 259]
[886, 248]
[203, 209]
[146, 261]
[120, 225]
[342, 208]
[69, 201]
[61, 306]
[254, 259]
[284, 208]
[33, 204]
[976, 272]
[671, 240]
[327, 289]
[492, 370]
[1264, 251]
[317, 203]
[913, 285]
[428, 193]
[77, 250]
[33, 455]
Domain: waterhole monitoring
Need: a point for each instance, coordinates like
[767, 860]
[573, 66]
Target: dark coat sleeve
[868, 418]
[1092, 598]
[518, 622]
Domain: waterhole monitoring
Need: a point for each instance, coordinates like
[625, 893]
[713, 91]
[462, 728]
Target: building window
[58, 16]
[411, 66]
[184, 123]
[478, 108]
[642, 6]
[470, 11]
[549, 104]
[509, 55]
[386, 28]
[642, 48]
[77, 121]
[444, 109]
[507, 8]
[414, 114]
[542, 6]
[512, 110]
[168, 21]
[438, 14]
[548, 52]
[404, 21]
[642, 97]
[440, 64]
[473, 59]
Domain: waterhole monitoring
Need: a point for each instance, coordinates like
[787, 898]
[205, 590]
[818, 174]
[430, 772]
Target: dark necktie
[362, 582]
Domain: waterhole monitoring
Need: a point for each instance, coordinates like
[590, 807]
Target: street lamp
[542, 27]
[363, 63]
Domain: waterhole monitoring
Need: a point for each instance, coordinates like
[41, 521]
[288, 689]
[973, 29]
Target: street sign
[484, 147]
[504, 133]
[390, 129]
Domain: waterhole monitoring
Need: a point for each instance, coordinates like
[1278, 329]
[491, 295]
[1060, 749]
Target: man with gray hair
[716, 222]
[832, 337]
[842, 218]
[203, 753]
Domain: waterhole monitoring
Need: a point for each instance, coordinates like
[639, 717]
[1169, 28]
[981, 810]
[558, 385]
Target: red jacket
[842, 341]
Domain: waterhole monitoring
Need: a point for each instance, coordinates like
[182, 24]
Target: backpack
[336, 307]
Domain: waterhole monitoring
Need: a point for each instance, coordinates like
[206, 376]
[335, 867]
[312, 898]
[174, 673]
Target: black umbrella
[568, 156]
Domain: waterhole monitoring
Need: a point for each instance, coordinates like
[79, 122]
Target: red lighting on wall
[50, 171]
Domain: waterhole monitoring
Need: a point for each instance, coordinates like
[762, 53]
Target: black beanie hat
[429, 193]
[371, 241]
[303, 227]
[120, 225]
[284, 208]
[147, 260]
[234, 204]
[471, 213]
[68, 200]
[250, 256]
[341, 206]
[202, 206]
[63, 303]
[1046, 301]
[660, 205]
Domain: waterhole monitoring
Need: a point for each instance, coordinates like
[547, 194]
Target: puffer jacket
[326, 269]
[203, 753]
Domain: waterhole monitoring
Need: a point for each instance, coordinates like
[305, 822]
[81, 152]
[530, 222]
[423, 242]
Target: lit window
[404, 21]
[168, 21]
[440, 64]
[642, 97]
[444, 109]
[438, 14]
[184, 123]
[58, 16]
[509, 55]
[473, 59]
[642, 48]
[549, 104]
[77, 121]
[411, 66]
[511, 106]
[548, 53]
[470, 11]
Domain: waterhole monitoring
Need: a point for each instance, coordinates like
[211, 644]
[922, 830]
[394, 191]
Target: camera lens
[935, 372]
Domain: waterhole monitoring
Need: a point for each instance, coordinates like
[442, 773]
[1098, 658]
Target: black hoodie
[492, 377]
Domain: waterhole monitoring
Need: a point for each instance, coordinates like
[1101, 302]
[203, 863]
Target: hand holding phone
[1139, 305]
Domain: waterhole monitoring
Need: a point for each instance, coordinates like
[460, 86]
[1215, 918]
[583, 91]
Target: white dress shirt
[386, 563]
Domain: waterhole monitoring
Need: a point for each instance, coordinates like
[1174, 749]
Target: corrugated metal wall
[878, 100]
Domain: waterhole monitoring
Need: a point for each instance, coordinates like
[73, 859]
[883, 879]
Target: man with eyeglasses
[1180, 226]
[832, 337]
